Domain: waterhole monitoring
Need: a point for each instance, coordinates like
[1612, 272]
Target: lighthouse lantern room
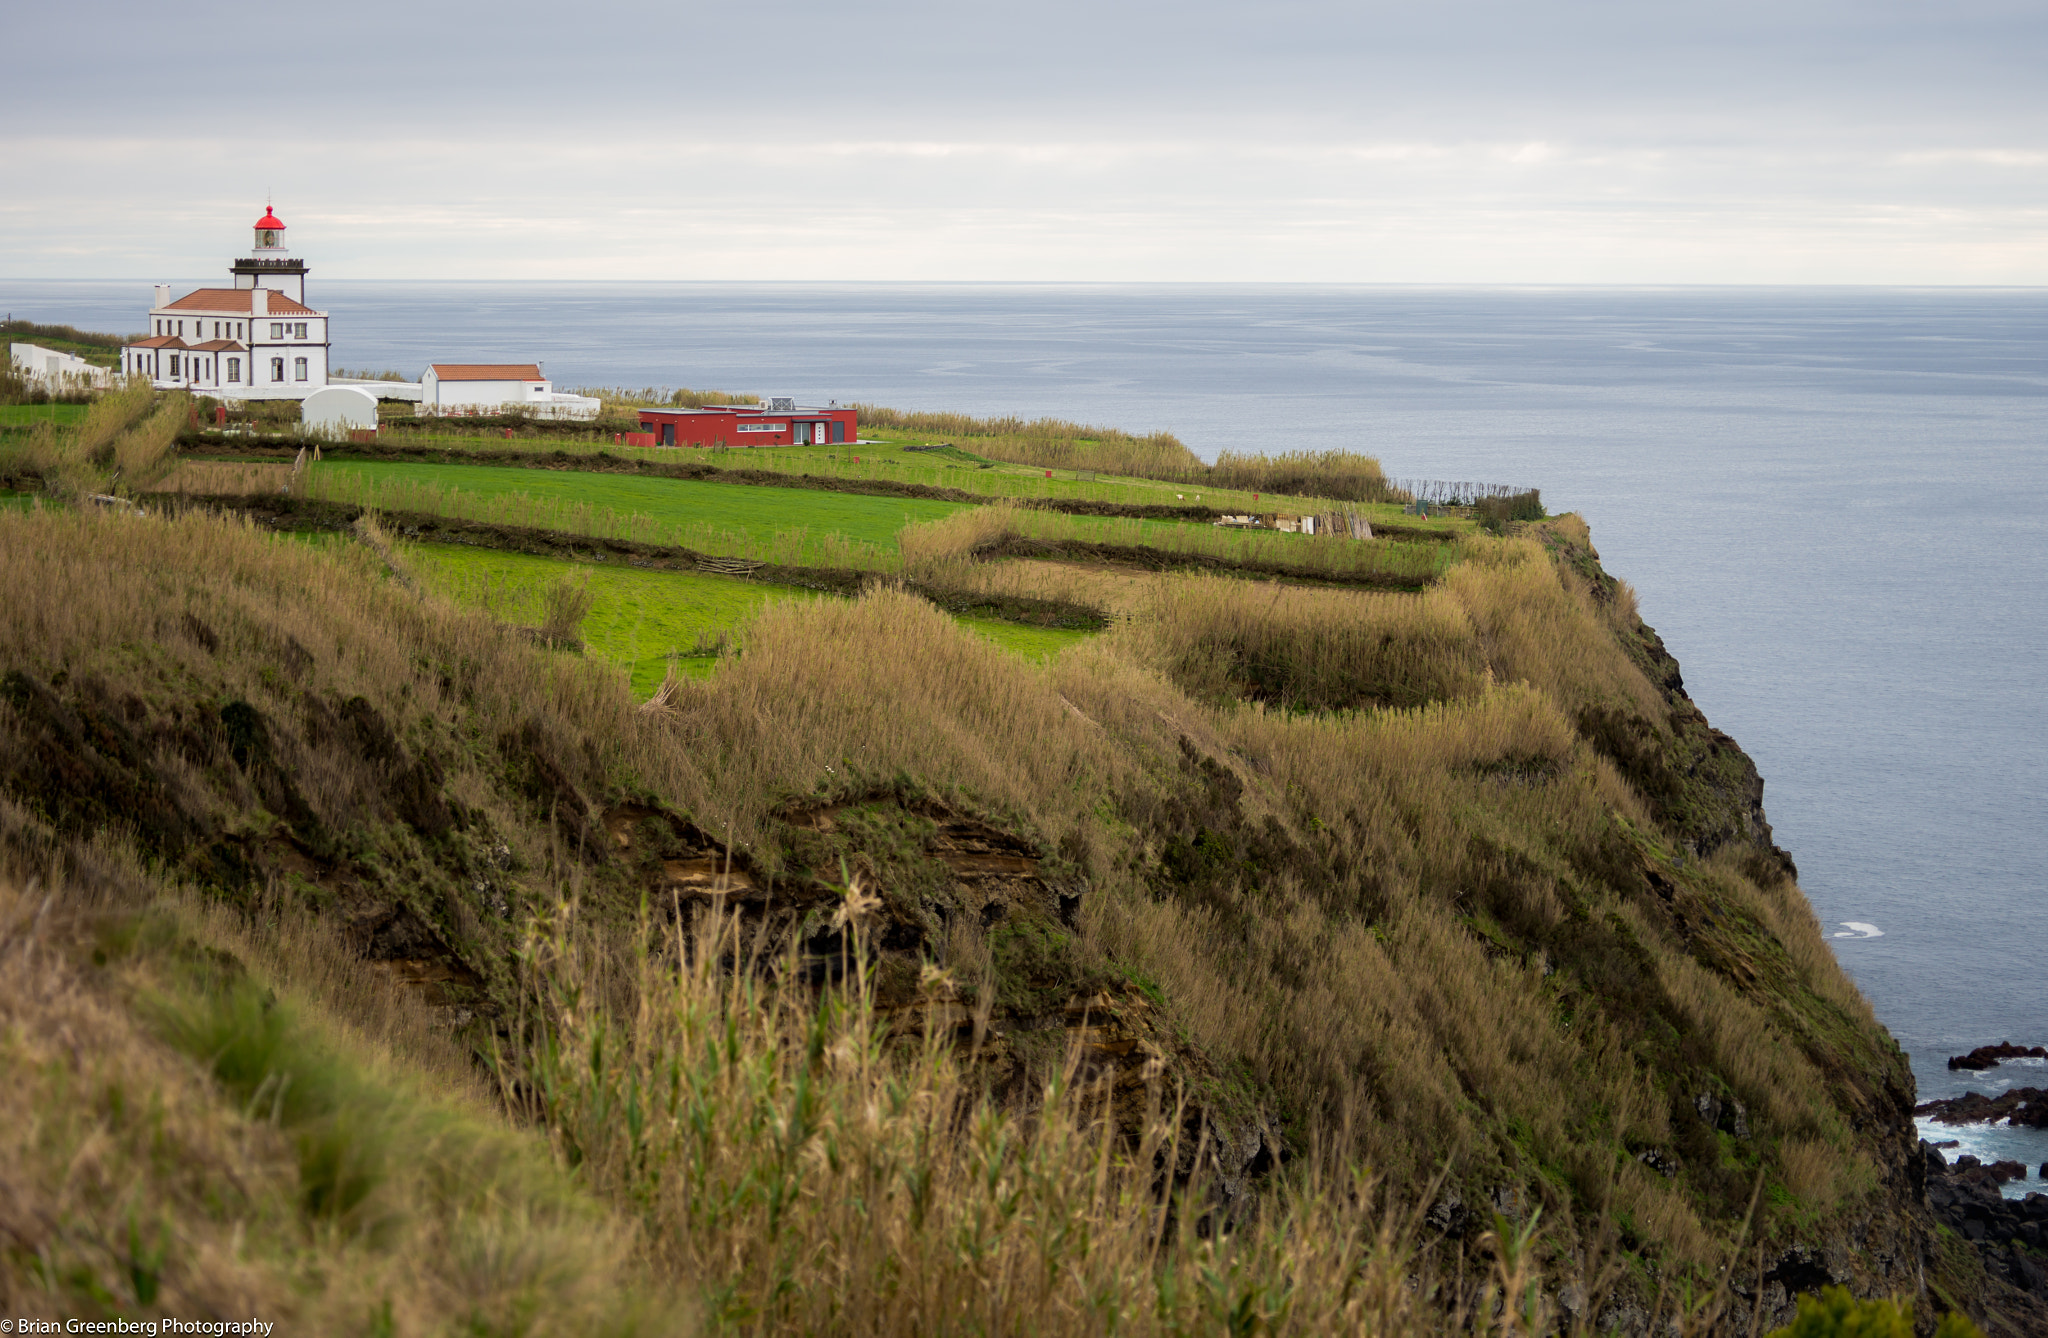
[269, 264]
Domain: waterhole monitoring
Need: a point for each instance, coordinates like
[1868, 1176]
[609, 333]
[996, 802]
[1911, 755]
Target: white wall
[253, 332]
[481, 394]
[56, 369]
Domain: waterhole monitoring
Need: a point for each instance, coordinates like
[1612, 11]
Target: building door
[800, 434]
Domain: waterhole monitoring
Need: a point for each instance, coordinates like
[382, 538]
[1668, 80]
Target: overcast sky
[1721, 141]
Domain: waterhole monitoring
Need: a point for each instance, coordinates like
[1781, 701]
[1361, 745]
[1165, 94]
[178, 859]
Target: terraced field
[888, 460]
[638, 619]
[643, 620]
[757, 512]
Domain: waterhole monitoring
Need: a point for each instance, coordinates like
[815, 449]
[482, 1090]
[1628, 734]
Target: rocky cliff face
[1938, 1233]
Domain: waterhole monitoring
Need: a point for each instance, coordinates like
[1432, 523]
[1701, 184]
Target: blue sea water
[1833, 503]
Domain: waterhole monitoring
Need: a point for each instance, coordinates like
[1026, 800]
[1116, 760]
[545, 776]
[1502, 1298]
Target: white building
[57, 372]
[498, 387]
[256, 340]
[338, 410]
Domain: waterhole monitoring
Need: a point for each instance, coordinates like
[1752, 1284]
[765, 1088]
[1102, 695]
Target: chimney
[163, 296]
[259, 301]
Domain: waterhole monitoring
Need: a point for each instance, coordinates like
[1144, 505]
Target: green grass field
[883, 456]
[27, 415]
[758, 511]
[677, 504]
[1033, 643]
[640, 619]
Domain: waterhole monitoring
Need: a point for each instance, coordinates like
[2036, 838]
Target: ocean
[1833, 504]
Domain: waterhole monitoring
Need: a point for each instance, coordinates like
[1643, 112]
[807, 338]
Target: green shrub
[1836, 1314]
[1495, 512]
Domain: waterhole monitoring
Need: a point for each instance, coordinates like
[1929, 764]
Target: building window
[277, 369]
[234, 369]
[277, 329]
[299, 330]
[298, 369]
[174, 366]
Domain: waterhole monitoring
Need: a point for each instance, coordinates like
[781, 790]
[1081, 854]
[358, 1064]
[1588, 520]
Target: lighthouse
[255, 341]
[269, 263]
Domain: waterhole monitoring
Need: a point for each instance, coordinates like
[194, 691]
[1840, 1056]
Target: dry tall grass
[624, 397]
[202, 1120]
[1425, 933]
[1051, 443]
[815, 1172]
[124, 443]
[931, 545]
[564, 606]
[1342, 475]
[1323, 650]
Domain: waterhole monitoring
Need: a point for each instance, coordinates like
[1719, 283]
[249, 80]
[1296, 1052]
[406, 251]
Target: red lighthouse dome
[269, 232]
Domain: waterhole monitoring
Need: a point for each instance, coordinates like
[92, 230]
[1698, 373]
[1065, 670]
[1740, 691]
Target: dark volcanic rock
[2022, 1107]
[1988, 1056]
[2008, 1233]
[1994, 1175]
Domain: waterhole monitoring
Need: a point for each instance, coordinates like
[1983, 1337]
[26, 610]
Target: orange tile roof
[159, 341]
[219, 346]
[486, 371]
[237, 301]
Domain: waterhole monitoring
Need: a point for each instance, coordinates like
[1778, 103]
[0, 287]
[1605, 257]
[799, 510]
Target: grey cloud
[1467, 64]
[1813, 140]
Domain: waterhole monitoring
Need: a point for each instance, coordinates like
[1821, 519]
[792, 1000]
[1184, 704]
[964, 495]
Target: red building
[778, 423]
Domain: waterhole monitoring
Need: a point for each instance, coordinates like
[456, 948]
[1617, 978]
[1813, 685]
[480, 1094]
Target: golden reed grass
[1440, 964]
[956, 538]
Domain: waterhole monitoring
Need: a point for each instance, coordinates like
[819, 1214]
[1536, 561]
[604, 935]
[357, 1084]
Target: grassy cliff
[1289, 957]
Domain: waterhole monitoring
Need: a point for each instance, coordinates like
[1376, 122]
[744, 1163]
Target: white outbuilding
[57, 372]
[337, 410]
[498, 387]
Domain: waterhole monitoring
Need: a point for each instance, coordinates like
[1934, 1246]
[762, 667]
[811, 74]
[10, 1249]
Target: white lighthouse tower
[269, 264]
